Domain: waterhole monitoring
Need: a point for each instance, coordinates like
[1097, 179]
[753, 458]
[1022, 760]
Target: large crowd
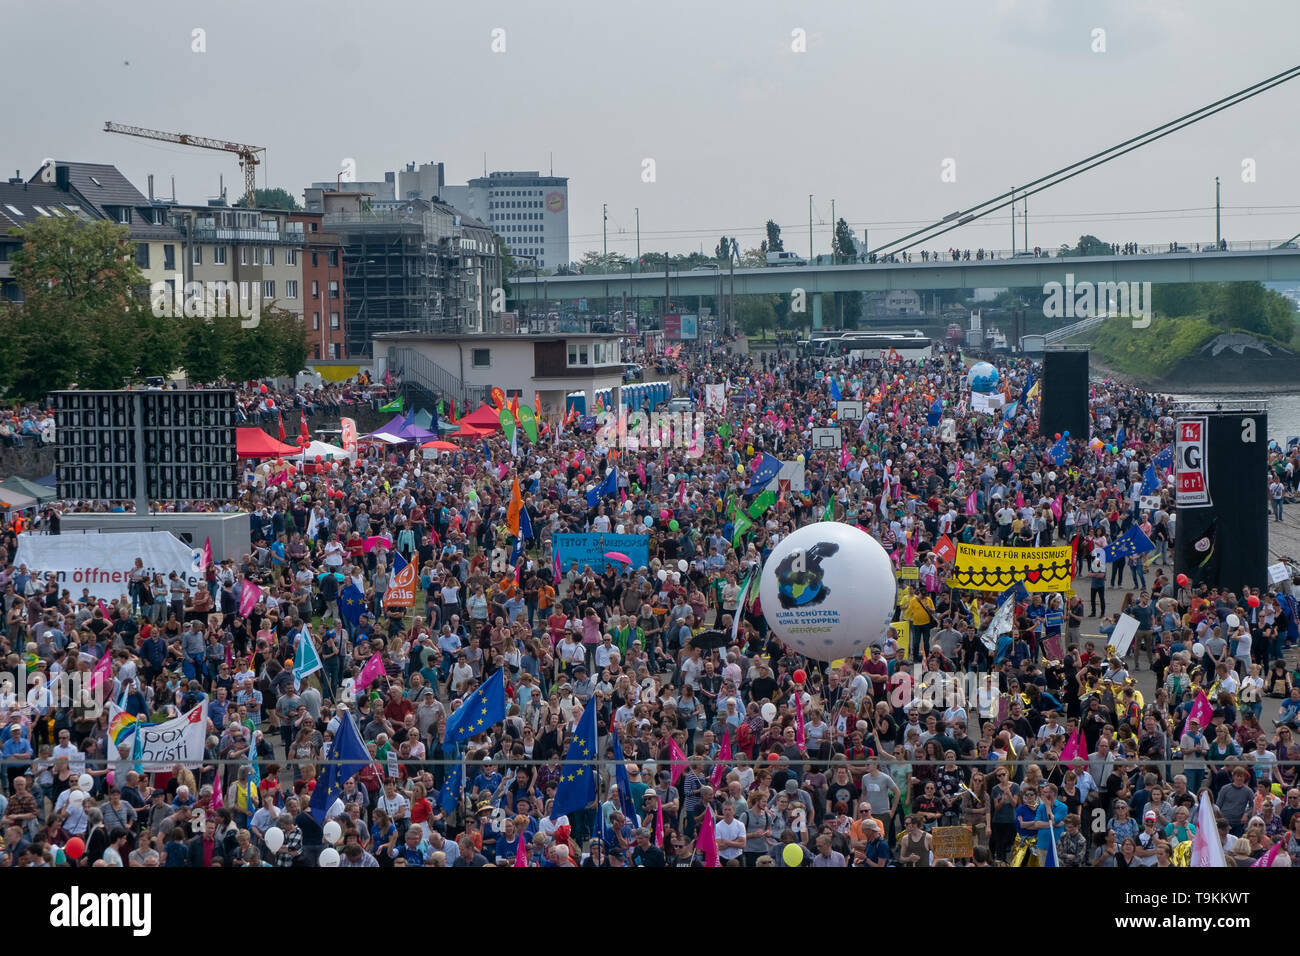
[736, 750]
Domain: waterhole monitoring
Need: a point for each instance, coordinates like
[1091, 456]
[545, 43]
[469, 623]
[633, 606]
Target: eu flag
[836, 395]
[935, 414]
[1059, 452]
[1165, 459]
[624, 785]
[452, 785]
[1120, 437]
[606, 489]
[483, 708]
[1132, 541]
[768, 468]
[1017, 592]
[525, 525]
[348, 757]
[578, 775]
[352, 601]
[1029, 383]
[1150, 483]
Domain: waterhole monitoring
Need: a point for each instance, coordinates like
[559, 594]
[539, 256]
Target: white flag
[1000, 624]
[1207, 848]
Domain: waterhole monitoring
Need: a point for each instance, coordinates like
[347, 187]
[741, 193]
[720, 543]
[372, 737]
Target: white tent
[388, 438]
[325, 450]
[11, 501]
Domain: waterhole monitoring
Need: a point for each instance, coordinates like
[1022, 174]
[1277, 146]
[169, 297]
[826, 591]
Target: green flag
[762, 503]
[394, 406]
[528, 420]
[742, 525]
[725, 430]
[507, 423]
[829, 513]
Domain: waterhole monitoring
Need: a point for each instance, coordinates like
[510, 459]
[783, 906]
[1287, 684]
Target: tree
[271, 199]
[1087, 246]
[842, 245]
[774, 243]
[756, 314]
[84, 318]
[723, 250]
[508, 265]
[754, 258]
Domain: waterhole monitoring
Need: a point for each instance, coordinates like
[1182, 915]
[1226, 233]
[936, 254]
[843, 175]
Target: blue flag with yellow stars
[348, 756]
[578, 775]
[1132, 541]
[483, 708]
[449, 798]
[352, 602]
[768, 468]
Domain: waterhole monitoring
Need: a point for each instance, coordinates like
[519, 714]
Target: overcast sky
[740, 127]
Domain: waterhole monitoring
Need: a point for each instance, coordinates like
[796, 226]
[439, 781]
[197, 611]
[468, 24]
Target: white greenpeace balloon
[768, 711]
[274, 839]
[828, 590]
[86, 782]
[332, 832]
[682, 566]
[329, 857]
[1198, 649]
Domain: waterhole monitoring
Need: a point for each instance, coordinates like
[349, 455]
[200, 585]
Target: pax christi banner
[403, 582]
[161, 746]
[980, 568]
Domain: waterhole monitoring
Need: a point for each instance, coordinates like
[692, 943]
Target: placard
[1149, 502]
[986, 402]
[1278, 573]
[1122, 637]
[393, 771]
[1191, 482]
[952, 843]
[909, 572]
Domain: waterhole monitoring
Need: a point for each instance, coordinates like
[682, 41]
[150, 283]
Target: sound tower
[1221, 496]
[1064, 405]
[142, 445]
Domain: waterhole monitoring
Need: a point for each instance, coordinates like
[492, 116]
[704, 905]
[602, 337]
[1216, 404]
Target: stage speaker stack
[1064, 404]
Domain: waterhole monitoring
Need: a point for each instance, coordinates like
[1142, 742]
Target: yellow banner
[336, 373]
[903, 634]
[982, 568]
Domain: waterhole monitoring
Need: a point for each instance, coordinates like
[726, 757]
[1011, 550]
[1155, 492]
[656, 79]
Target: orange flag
[513, 509]
[537, 404]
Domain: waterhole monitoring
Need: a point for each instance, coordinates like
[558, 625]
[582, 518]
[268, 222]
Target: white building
[528, 210]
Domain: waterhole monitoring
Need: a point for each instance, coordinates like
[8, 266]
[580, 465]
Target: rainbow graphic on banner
[120, 726]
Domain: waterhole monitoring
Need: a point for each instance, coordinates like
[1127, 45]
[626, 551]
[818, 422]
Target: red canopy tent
[255, 443]
[484, 420]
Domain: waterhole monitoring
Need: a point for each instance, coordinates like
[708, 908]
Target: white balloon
[618, 529]
[662, 574]
[1234, 621]
[274, 839]
[1198, 649]
[682, 566]
[768, 711]
[828, 589]
[76, 798]
[333, 832]
[86, 782]
[328, 856]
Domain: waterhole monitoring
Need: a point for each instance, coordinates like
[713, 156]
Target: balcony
[222, 234]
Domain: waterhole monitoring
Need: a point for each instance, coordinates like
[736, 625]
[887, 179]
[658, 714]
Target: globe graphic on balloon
[982, 377]
[828, 591]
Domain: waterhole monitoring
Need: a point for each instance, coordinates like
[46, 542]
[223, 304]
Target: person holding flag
[577, 782]
[481, 710]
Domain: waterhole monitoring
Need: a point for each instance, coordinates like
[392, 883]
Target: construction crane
[248, 155]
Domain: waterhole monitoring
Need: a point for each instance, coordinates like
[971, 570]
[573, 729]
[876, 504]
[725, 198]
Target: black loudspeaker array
[184, 439]
[1064, 406]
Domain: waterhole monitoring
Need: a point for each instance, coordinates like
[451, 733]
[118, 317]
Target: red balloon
[1057, 436]
[263, 389]
[799, 676]
[554, 472]
[74, 848]
[1253, 600]
[1182, 580]
[773, 758]
[587, 470]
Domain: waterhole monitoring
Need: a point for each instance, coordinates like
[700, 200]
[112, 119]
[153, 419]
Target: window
[14, 209]
[315, 321]
[291, 257]
[41, 211]
[334, 258]
[481, 358]
[578, 355]
[334, 288]
[315, 289]
[243, 255]
[291, 288]
[315, 260]
[218, 255]
[268, 289]
[334, 320]
[169, 257]
[257, 255]
[270, 257]
[196, 255]
[316, 352]
[334, 350]
[124, 215]
[142, 255]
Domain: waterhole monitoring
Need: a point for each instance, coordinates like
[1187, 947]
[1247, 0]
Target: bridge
[1264, 263]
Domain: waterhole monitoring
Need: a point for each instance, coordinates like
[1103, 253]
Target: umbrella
[709, 639]
[618, 556]
[441, 445]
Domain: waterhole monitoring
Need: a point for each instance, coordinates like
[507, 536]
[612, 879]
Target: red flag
[279, 417]
[724, 755]
[707, 841]
[453, 410]
[800, 736]
[303, 438]
[944, 548]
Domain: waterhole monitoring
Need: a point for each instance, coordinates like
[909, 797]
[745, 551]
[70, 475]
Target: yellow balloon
[792, 855]
[740, 469]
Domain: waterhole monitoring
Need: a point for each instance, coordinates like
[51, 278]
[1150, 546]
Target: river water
[1283, 409]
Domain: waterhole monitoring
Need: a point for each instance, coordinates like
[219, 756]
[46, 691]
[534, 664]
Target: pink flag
[724, 755]
[103, 609]
[1201, 712]
[1076, 748]
[376, 541]
[218, 801]
[970, 504]
[1056, 508]
[659, 822]
[521, 852]
[909, 553]
[681, 492]
[1268, 858]
[678, 760]
[206, 561]
[230, 658]
[1020, 500]
[504, 470]
[102, 670]
[248, 598]
[844, 456]
[800, 736]
[371, 671]
[640, 473]
[707, 841]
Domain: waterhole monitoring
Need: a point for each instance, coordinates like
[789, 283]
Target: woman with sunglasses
[1003, 800]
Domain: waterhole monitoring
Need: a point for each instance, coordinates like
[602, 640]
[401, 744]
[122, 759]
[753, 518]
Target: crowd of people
[736, 750]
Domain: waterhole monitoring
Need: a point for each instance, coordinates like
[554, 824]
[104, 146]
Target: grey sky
[740, 127]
